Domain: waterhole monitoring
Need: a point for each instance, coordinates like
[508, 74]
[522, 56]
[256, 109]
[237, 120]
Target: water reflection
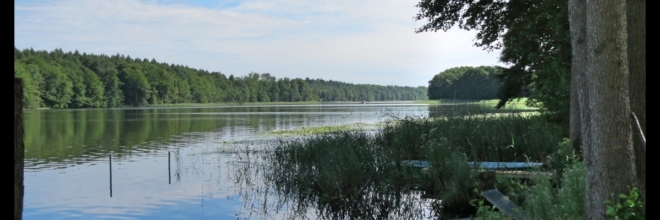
[56, 136]
[110, 164]
[212, 156]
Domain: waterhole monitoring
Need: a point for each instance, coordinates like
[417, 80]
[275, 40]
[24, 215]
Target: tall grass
[514, 137]
[359, 174]
[342, 174]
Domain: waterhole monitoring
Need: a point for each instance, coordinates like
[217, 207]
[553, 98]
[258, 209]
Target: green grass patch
[324, 129]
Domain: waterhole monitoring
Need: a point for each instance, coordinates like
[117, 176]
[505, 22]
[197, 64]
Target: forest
[466, 83]
[59, 79]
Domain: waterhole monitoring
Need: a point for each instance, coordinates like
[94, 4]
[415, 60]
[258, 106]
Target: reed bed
[355, 174]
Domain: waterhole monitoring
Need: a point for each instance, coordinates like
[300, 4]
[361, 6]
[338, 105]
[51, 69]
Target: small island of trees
[465, 83]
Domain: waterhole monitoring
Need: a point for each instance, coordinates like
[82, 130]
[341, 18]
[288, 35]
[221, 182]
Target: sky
[361, 42]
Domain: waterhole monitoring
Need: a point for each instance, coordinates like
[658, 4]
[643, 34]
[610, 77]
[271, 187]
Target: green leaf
[476, 202]
[629, 203]
[610, 211]
[623, 196]
[629, 215]
[634, 194]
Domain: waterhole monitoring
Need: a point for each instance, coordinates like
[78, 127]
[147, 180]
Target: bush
[629, 207]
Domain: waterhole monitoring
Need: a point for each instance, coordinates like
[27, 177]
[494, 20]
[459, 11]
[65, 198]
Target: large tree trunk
[574, 129]
[578, 112]
[636, 17]
[610, 160]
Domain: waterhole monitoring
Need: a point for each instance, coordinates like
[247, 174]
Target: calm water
[69, 174]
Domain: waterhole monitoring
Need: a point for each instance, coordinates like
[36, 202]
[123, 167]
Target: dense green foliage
[471, 83]
[534, 38]
[72, 80]
[629, 207]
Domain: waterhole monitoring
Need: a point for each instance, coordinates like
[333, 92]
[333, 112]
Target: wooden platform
[506, 206]
[502, 169]
[489, 165]
[503, 203]
[519, 174]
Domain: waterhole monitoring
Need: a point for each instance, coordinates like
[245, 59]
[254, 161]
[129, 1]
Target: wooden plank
[505, 165]
[511, 173]
[503, 203]
[520, 173]
[481, 165]
[416, 163]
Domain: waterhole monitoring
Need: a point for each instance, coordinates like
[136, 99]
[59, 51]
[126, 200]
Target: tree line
[471, 83]
[58, 79]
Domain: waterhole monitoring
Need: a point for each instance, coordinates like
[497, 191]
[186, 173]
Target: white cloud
[351, 41]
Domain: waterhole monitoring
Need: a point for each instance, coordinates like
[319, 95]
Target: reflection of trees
[177, 158]
[88, 134]
[83, 135]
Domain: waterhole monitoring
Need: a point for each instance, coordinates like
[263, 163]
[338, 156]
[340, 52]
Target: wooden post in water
[19, 149]
[169, 176]
[110, 162]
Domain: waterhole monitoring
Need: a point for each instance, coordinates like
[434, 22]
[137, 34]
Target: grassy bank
[323, 129]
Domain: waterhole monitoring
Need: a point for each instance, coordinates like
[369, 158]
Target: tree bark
[578, 112]
[610, 161]
[636, 21]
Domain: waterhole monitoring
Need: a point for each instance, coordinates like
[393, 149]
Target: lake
[171, 162]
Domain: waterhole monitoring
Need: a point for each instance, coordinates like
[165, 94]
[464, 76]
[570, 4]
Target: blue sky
[367, 41]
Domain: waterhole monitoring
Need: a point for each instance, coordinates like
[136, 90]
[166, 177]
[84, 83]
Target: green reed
[361, 174]
[514, 137]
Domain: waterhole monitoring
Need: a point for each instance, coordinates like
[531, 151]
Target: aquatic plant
[357, 174]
